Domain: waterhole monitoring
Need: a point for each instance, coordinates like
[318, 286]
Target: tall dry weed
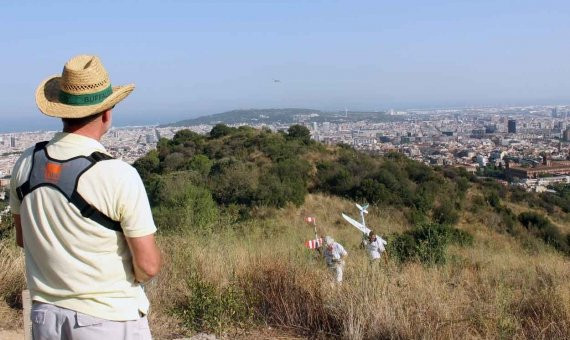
[12, 282]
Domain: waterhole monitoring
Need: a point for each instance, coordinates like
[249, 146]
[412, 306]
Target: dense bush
[221, 130]
[394, 180]
[427, 243]
[179, 205]
[560, 198]
[299, 132]
[240, 166]
[541, 227]
[211, 308]
[446, 213]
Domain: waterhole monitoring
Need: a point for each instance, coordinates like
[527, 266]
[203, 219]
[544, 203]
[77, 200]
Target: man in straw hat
[82, 217]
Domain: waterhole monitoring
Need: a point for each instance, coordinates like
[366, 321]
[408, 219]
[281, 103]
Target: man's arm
[146, 257]
[18, 225]
[343, 252]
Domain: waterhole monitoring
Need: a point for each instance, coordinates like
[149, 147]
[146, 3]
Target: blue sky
[192, 58]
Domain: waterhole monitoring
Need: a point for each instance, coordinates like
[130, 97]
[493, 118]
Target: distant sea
[28, 123]
[40, 122]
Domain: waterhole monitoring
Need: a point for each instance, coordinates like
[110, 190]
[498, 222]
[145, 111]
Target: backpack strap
[25, 189]
[89, 211]
[69, 189]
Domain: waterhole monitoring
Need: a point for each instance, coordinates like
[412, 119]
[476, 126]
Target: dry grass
[12, 283]
[495, 288]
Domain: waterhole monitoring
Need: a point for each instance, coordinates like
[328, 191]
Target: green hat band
[84, 99]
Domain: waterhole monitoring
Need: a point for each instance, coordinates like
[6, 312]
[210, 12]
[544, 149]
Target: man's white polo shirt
[74, 262]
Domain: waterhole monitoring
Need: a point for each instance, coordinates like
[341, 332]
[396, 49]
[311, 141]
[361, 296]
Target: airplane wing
[358, 225]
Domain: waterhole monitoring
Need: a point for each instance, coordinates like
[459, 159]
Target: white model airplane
[361, 225]
[357, 224]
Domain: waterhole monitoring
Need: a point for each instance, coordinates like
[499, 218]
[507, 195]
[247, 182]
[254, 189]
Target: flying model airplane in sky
[276, 80]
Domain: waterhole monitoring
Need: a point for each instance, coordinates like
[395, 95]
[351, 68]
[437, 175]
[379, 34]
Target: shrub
[416, 217]
[508, 219]
[299, 132]
[147, 164]
[286, 295]
[278, 191]
[373, 192]
[427, 243]
[180, 205]
[214, 309]
[493, 199]
[184, 136]
[7, 230]
[445, 213]
[542, 228]
[201, 164]
[519, 194]
[478, 202]
[234, 182]
[220, 130]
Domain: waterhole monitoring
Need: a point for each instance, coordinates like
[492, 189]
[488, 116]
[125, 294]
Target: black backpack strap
[89, 211]
[25, 189]
[99, 156]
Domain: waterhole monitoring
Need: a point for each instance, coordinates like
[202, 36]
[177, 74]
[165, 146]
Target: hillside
[468, 258]
[284, 116]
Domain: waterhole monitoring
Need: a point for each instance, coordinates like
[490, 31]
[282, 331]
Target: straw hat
[83, 89]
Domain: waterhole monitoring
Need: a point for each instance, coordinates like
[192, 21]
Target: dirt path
[11, 335]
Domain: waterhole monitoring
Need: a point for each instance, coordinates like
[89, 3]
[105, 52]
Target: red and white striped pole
[313, 221]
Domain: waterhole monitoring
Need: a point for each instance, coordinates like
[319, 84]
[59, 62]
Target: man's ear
[106, 115]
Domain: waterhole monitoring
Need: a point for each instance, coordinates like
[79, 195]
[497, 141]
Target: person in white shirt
[82, 217]
[375, 246]
[334, 254]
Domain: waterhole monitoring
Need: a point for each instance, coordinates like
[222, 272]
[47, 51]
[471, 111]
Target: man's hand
[146, 257]
[18, 225]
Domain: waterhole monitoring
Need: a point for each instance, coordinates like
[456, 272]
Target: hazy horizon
[203, 57]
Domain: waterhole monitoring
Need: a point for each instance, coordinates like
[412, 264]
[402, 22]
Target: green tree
[220, 130]
[147, 164]
[201, 164]
[299, 132]
[234, 182]
[181, 206]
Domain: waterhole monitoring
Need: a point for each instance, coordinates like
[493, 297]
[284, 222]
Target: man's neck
[86, 132]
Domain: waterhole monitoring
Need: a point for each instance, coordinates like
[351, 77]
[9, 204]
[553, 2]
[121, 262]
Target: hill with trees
[468, 257]
[284, 116]
[244, 168]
